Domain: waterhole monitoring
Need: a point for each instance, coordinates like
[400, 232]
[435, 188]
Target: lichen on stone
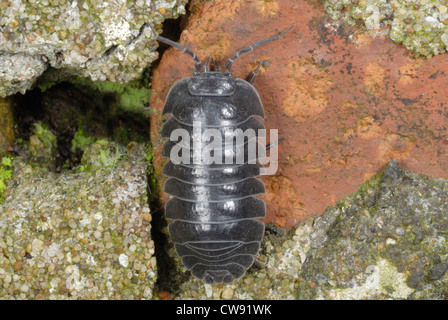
[420, 25]
[383, 277]
[382, 242]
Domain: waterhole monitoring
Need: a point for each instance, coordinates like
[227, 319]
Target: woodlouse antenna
[207, 65]
[216, 65]
[253, 46]
[211, 65]
[198, 62]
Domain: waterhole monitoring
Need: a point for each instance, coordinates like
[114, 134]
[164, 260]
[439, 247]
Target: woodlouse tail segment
[188, 52]
[229, 62]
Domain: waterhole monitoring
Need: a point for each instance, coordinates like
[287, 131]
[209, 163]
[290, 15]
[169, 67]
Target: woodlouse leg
[260, 265]
[269, 146]
[253, 74]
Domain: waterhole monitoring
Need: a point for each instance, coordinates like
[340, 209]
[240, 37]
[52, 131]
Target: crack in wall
[168, 279]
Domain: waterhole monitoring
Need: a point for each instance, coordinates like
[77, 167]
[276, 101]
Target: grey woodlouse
[213, 208]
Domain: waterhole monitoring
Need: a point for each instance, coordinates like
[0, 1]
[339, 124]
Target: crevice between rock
[168, 278]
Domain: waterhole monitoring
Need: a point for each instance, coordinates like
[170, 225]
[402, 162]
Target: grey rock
[419, 25]
[438, 271]
[400, 236]
[68, 230]
[103, 40]
[415, 278]
[393, 171]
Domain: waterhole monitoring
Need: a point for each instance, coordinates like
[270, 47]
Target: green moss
[5, 174]
[44, 134]
[103, 142]
[131, 97]
[372, 183]
[149, 157]
[42, 144]
[81, 141]
[44, 86]
[106, 158]
[151, 171]
[100, 155]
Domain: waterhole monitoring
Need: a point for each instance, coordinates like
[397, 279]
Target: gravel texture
[103, 40]
[79, 234]
[420, 25]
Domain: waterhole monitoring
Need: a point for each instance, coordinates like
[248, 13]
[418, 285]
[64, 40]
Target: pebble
[438, 270]
[36, 246]
[72, 224]
[8, 278]
[124, 260]
[24, 288]
[147, 217]
[18, 266]
[227, 294]
[391, 241]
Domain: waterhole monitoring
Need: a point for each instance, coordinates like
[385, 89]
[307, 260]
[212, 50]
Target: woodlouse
[214, 210]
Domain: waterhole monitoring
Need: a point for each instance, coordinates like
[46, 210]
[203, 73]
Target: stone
[37, 245]
[398, 19]
[402, 268]
[438, 271]
[415, 278]
[96, 39]
[69, 257]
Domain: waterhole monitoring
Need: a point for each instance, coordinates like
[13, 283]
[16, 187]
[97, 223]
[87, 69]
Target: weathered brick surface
[346, 103]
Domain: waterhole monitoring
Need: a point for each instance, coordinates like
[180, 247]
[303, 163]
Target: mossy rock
[387, 242]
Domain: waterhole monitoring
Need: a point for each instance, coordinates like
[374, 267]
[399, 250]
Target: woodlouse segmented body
[214, 210]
